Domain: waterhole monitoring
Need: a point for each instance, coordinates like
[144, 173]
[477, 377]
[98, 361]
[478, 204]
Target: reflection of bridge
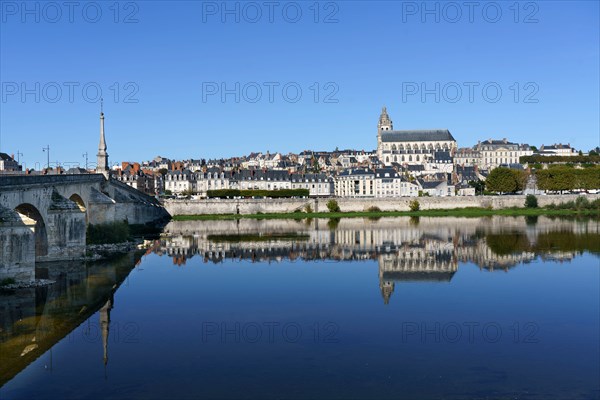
[33, 320]
[44, 218]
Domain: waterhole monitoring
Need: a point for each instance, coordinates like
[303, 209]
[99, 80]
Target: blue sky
[170, 62]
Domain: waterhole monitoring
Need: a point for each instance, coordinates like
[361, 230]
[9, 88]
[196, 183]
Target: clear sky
[162, 68]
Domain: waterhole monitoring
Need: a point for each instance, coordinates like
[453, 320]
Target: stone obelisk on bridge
[102, 164]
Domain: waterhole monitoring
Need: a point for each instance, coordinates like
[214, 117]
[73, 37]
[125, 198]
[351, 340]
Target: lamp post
[47, 151]
[86, 160]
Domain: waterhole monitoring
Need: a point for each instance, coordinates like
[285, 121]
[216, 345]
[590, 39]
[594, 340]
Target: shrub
[7, 281]
[414, 205]
[115, 232]
[333, 206]
[581, 203]
[308, 209]
[373, 209]
[531, 201]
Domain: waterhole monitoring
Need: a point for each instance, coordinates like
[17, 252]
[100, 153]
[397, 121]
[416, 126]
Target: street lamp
[47, 150]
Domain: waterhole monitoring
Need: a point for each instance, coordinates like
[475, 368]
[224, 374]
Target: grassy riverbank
[471, 212]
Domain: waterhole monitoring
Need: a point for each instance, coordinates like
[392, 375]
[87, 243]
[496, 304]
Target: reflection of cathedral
[428, 250]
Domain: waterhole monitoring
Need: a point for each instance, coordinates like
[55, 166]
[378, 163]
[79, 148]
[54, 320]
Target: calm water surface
[354, 308]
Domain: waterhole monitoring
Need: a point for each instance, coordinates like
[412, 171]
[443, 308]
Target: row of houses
[352, 182]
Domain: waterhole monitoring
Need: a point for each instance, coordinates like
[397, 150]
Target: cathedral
[411, 147]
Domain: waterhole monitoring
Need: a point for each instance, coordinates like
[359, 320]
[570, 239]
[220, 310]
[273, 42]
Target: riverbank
[395, 206]
[468, 212]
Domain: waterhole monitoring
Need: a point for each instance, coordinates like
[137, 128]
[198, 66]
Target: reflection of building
[428, 249]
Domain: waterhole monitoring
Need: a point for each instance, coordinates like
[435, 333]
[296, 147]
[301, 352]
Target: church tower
[102, 164]
[385, 124]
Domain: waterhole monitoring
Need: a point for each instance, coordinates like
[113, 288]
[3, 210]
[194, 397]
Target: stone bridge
[45, 218]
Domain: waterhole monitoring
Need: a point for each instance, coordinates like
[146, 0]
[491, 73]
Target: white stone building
[495, 153]
[382, 182]
[563, 150]
[180, 181]
[410, 147]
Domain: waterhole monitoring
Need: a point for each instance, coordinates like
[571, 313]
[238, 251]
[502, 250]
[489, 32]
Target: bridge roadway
[45, 217]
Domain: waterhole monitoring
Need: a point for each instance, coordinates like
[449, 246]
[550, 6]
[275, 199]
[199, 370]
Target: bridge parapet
[8, 182]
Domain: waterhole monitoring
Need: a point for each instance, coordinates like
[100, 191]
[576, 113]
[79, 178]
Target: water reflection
[332, 273]
[406, 249]
[33, 320]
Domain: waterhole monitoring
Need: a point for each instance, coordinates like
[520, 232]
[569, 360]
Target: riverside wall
[254, 206]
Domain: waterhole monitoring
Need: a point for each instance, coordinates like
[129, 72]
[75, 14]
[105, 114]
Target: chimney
[12, 156]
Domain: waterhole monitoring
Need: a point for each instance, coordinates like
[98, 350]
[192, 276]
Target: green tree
[333, 206]
[557, 178]
[502, 180]
[531, 201]
[414, 205]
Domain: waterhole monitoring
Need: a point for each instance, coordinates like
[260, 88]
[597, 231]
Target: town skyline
[170, 87]
[42, 162]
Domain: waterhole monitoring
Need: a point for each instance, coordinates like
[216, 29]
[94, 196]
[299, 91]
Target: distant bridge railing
[26, 180]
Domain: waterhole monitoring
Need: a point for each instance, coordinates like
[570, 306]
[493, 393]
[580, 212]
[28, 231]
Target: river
[497, 307]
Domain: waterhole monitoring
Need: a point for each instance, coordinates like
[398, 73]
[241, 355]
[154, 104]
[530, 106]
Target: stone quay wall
[254, 206]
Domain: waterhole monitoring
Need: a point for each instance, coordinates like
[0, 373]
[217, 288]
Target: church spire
[385, 123]
[102, 165]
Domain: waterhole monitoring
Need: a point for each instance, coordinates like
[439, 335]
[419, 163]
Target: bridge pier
[17, 246]
[67, 230]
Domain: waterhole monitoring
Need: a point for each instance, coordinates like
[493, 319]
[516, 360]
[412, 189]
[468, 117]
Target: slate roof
[442, 156]
[417, 136]
[430, 184]
[356, 171]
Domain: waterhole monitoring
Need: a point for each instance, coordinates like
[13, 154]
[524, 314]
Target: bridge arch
[79, 201]
[76, 198]
[41, 235]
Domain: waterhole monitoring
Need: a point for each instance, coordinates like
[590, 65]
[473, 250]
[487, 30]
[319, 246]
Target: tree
[163, 171]
[414, 205]
[333, 206]
[502, 180]
[531, 201]
[557, 178]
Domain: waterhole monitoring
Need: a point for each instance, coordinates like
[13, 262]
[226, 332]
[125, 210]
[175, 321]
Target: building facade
[410, 146]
